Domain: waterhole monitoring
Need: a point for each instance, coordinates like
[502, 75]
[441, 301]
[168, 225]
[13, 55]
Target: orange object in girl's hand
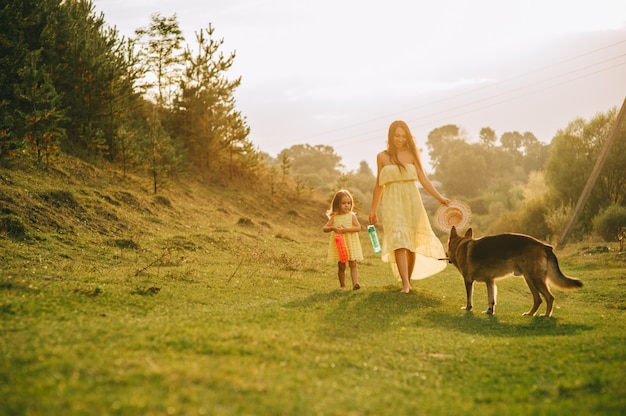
[342, 250]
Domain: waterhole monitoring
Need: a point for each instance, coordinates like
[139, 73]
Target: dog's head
[454, 241]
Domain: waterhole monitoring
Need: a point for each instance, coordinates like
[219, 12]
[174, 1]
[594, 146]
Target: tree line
[151, 103]
[517, 183]
[513, 182]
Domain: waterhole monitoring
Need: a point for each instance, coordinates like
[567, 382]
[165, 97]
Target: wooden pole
[595, 172]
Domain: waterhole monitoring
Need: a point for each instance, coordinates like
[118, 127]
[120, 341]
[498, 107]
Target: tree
[162, 56]
[285, 164]
[461, 167]
[574, 152]
[159, 151]
[612, 180]
[535, 153]
[205, 117]
[488, 137]
[88, 69]
[22, 23]
[362, 185]
[241, 150]
[318, 165]
[42, 122]
[512, 143]
[439, 141]
[465, 172]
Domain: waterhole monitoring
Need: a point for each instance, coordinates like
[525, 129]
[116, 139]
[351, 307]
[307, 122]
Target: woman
[409, 243]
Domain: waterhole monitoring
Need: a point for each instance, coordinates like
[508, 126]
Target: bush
[529, 219]
[609, 222]
[557, 219]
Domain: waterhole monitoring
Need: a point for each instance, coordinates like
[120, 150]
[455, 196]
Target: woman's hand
[373, 219]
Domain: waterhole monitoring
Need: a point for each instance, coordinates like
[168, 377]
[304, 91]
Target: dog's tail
[556, 276]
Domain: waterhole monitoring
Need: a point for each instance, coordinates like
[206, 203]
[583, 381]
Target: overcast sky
[338, 72]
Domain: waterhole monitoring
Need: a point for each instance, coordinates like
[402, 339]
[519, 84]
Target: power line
[485, 87]
[424, 120]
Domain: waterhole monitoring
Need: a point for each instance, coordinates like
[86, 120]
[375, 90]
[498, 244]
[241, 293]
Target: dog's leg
[545, 291]
[469, 291]
[492, 293]
[530, 282]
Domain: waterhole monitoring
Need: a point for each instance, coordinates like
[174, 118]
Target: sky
[338, 72]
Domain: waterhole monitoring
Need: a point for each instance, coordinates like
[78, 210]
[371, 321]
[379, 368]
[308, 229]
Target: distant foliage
[610, 223]
[468, 169]
[521, 184]
[557, 219]
[575, 151]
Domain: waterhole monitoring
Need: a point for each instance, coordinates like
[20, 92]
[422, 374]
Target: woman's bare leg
[402, 261]
[411, 258]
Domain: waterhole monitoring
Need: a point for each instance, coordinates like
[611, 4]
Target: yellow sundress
[353, 244]
[406, 224]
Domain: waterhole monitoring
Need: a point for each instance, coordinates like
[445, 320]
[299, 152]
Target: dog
[489, 258]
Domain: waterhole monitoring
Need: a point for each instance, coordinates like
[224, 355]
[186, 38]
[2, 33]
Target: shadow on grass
[349, 314]
[346, 314]
[473, 323]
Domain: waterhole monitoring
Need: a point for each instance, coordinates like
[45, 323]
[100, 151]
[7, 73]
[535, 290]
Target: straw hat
[456, 213]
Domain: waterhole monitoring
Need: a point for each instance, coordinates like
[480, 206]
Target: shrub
[609, 222]
[557, 219]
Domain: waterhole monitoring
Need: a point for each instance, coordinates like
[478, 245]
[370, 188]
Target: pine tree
[42, 120]
[21, 25]
[213, 132]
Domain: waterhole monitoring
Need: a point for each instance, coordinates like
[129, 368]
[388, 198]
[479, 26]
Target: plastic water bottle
[342, 250]
[371, 230]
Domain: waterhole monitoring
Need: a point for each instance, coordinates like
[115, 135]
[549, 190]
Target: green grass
[141, 308]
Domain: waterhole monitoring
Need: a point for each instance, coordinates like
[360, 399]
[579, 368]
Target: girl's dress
[353, 244]
[406, 224]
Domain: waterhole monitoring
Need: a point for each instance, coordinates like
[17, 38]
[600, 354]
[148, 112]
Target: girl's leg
[402, 261]
[341, 273]
[354, 274]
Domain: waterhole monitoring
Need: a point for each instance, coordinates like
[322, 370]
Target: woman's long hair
[410, 140]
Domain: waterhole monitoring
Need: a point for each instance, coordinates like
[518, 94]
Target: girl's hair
[334, 204]
[410, 140]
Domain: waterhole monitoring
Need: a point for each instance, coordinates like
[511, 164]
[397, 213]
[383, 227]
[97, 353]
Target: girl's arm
[330, 225]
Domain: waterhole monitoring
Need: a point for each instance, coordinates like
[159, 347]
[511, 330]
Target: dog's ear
[453, 231]
[469, 233]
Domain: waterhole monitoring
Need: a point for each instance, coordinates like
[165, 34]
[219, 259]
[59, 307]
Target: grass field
[197, 301]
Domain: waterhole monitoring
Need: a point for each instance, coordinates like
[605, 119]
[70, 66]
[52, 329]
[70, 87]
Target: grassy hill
[78, 203]
[214, 298]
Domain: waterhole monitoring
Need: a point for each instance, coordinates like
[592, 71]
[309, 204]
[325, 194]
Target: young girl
[341, 220]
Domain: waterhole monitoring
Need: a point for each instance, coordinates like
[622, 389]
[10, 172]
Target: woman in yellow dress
[343, 221]
[409, 243]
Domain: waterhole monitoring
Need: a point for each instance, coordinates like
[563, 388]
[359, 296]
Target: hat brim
[456, 213]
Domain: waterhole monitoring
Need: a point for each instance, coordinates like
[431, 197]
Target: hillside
[213, 299]
[76, 211]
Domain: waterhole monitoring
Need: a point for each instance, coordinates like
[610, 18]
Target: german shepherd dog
[488, 258]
